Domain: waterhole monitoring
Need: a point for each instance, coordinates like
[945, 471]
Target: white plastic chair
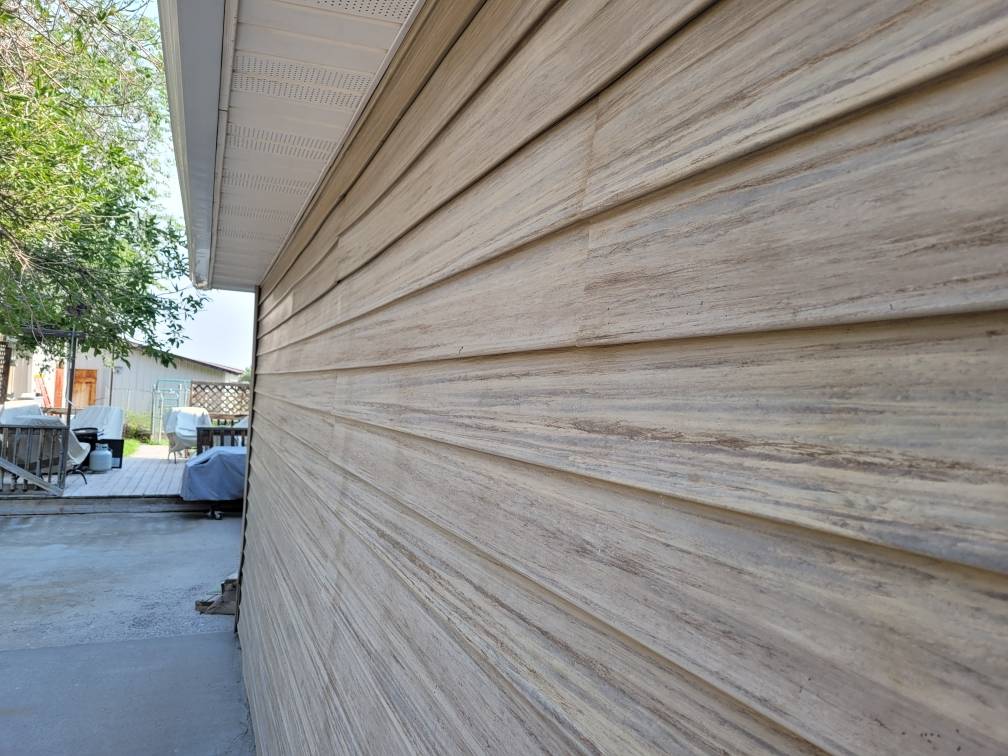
[180, 426]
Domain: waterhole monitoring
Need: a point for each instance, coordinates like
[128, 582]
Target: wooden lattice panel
[221, 400]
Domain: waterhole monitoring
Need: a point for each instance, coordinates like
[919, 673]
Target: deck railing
[208, 436]
[31, 459]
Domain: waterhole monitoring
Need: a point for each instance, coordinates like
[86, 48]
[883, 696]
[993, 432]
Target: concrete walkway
[101, 651]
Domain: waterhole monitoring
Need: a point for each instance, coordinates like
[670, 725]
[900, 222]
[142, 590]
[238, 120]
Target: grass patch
[130, 445]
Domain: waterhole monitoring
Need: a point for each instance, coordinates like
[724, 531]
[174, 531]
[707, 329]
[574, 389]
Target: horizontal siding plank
[550, 172]
[889, 432]
[614, 697]
[291, 683]
[756, 608]
[580, 48]
[275, 655]
[523, 302]
[491, 35]
[575, 52]
[755, 246]
[429, 38]
[438, 696]
[489, 38]
[328, 651]
[899, 213]
[779, 67]
[732, 29]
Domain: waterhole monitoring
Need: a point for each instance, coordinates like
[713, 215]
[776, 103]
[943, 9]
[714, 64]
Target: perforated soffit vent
[290, 104]
[272, 142]
[301, 73]
[392, 10]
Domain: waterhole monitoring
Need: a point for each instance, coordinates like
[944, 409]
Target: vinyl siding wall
[636, 383]
[132, 387]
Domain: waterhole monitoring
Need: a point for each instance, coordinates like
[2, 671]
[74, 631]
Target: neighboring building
[97, 380]
[630, 379]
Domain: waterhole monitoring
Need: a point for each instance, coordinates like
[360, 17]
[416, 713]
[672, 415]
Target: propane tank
[101, 459]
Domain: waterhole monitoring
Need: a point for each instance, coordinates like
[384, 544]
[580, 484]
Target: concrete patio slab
[101, 649]
[85, 578]
[177, 695]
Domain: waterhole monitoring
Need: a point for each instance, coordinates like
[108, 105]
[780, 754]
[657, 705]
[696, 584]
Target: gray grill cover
[218, 474]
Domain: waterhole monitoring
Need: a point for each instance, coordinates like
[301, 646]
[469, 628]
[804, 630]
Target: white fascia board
[192, 38]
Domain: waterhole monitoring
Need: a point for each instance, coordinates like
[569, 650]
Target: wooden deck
[148, 472]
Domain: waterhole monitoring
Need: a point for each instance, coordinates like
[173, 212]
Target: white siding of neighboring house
[132, 386]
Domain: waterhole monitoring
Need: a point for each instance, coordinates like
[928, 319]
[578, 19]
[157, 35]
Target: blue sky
[222, 332]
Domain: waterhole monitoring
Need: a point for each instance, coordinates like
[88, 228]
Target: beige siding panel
[437, 696]
[577, 51]
[538, 189]
[319, 690]
[428, 39]
[779, 67]
[753, 246]
[531, 293]
[893, 433]
[774, 600]
[603, 690]
[464, 233]
[278, 655]
[635, 383]
[898, 213]
[493, 33]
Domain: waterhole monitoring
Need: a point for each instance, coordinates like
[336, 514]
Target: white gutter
[191, 40]
[223, 101]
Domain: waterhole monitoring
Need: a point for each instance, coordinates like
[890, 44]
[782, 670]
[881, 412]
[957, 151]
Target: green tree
[83, 241]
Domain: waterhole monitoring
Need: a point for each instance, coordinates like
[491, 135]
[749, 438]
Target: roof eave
[192, 33]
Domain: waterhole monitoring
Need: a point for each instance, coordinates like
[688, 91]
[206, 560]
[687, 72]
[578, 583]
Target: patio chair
[11, 413]
[109, 423]
[180, 426]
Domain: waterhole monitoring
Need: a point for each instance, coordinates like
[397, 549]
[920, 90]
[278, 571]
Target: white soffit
[293, 76]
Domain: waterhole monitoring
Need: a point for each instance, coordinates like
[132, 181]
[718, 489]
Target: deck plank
[148, 472]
